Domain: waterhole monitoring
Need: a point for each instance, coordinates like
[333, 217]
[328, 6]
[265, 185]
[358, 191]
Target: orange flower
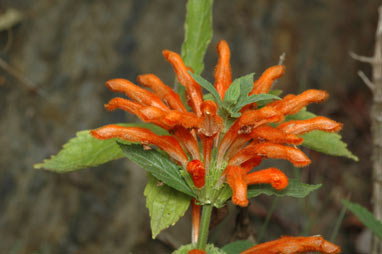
[292, 245]
[223, 78]
[195, 251]
[201, 142]
[236, 180]
[196, 169]
[193, 89]
[195, 213]
[167, 143]
[264, 83]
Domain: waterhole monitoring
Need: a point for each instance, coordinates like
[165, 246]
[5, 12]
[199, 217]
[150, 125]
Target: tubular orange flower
[212, 123]
[195, 251]
[293, 245]
[162, 90]
[271, 150]
[251, 163]
[274, 135]
[273, 176]
[222, 72]
[193, 89]
[195, 213]
[166, 143]
[188, 141]
[229, 149]
[291, 104]
[236, 180]
[166, 119]
[317, 123]
[136, 93]
[196, 169]
[264, 83]
[258, 117]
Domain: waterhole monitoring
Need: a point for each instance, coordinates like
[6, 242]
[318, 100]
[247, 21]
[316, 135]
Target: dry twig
[376, 123]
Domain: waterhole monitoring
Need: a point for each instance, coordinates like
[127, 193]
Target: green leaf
[236, 93]
[324, 142]
[246, 85]
[237, 247]
[232, 94]
[158, 164]
[84, 151]
[276, 92]
[256, 98]
[210, 249]
[367, 218]
[166, 205]
[236, 97]
[208, 86]
[208, 97]
[295, 189]
[198, 33]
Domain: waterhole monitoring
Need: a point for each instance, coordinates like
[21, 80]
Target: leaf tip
[39, 165]
[354, 157]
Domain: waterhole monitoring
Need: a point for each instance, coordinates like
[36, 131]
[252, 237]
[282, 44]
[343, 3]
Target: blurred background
[55, 57]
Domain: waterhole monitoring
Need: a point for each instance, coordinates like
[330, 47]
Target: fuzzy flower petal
[196, 169]
[264, 83]
[274, 135]
[195, 251]
[291, 104]
[273, 176]
[134, 134]
[321, 123]
[236, 180]
[193, 89]
[136, 93]
[222, 74]
[294, 245]
[163, 91]
[271, 150]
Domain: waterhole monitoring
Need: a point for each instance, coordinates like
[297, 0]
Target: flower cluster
[219, 148]
[241, 144]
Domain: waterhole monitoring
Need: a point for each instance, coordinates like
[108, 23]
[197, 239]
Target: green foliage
[337, 226]
[236, 95]
[158, 164]
[255, 98]
[84, 151]
[367, 218]
[324, 142]
[237, 247]
[208, 97]
[198, 33]
[208, 86]
[166, 205]
[295, 189]
[275, 92]
[233, 92]
[210, 249]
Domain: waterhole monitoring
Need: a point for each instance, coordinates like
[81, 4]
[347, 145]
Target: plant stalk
[376, 123]
[204, 227]
[267, 219]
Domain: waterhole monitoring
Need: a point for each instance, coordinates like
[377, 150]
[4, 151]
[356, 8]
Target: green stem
[267, 219]
[204, 227]
[338, 223]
